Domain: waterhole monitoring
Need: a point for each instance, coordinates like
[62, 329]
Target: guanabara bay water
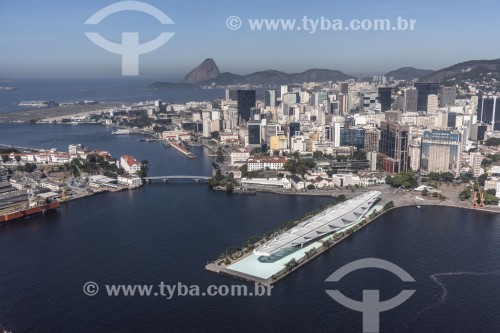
[169, 231]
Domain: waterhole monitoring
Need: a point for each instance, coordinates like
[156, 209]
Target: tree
[17, 158]
[29, 167]
[317, 154]
[388, 205]
[215, 135]
[492, 142]
[359, 155]
[244, 170]
[425, 192]
[311, 187]
[481, 179]
[5, 158]
[144, 162]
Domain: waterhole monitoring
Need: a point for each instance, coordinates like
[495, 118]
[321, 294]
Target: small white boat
[419, 207]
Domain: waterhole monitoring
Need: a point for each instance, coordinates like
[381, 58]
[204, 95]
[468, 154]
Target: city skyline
[54, 33]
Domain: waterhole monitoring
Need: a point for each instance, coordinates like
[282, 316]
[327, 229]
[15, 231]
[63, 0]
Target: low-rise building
[297, 182]
[130, 164]
[266, 182]
[344, 180]
[240, 155]
[264, 162]
[129, 180]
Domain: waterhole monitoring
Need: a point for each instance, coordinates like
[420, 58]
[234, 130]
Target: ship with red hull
[28, 212]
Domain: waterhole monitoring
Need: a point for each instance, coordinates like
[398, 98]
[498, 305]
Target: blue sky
[46, 39]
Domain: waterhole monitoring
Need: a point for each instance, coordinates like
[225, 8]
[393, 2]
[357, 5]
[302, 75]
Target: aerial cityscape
[228, 179]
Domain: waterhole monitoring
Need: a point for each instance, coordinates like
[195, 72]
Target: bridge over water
[180, 177]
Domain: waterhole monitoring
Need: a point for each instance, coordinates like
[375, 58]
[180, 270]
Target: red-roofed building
[130, 164]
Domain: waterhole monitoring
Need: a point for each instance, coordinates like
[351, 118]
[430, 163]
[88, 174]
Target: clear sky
[46, 38]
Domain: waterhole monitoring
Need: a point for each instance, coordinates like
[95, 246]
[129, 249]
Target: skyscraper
[410, 104]
[231, 94]
[246, 101]
[447, 96]
[488, 113]
[372, 138]
[432, 103]
[254, 133]
[394, 145]
[425, 89]
[344, 88]
[270, 98]
[385, 98]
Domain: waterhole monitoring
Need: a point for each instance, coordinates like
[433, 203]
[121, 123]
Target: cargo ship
[28, 212]
[182, 150]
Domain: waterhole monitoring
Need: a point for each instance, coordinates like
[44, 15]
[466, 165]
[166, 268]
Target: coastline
[49, 114]
[214, 266]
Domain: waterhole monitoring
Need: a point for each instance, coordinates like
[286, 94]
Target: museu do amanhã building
[270, 258]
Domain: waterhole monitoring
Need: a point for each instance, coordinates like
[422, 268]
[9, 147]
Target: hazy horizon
[47, 40]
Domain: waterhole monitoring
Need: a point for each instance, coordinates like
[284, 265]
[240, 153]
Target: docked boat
[121, 131]
[166, 143]
[29, 212]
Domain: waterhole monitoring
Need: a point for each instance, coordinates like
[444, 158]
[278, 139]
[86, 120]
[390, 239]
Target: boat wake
[444, 292]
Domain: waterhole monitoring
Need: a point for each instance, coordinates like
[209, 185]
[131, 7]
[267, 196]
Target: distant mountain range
[465, 70]
[207, 73]
[486, 73]
[408, 73]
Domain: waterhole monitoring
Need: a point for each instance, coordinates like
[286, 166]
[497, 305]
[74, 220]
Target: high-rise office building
[477, 131]
[270, 98]
[441, 152]
[410, 102]
[425, 89]
[452, 119]
[254, 133]
[394, 145]
[290, 98]
[475, 163]
[372, 138]
[231, 94]
[352, 136]
[283, 90]
[294, 129]
[488, 113]
[447, 96]
[344, 88]
[385, 98]
[414, 150]
[246, 101]
[343, 104]
[432, 103]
